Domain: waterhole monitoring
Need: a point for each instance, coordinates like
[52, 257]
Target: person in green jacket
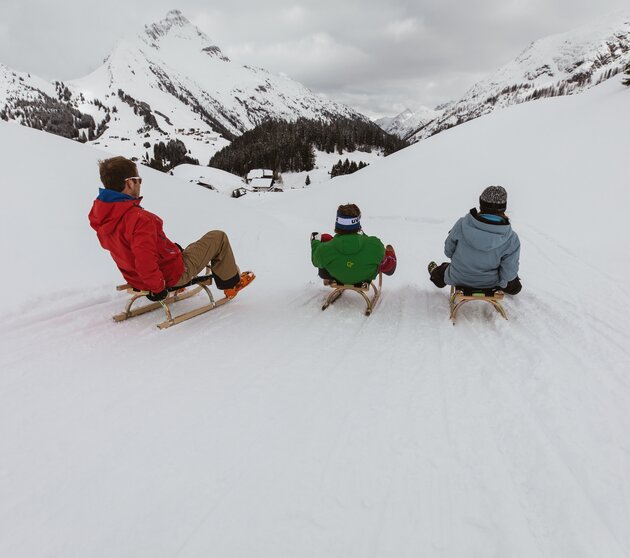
[350, 257]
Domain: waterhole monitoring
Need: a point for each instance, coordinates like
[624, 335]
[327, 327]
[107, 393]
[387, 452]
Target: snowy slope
[37, 103]
[269, 428]
[324, 163]
[22, 85]
[216, 179]
[561, 64]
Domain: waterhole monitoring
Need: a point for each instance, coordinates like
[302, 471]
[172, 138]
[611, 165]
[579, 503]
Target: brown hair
[348, 210]
[114, 171]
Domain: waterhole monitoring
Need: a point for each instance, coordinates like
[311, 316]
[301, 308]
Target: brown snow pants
[213, 249]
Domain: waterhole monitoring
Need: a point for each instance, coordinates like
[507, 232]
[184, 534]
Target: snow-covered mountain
[21, 85]
[561, 64]
[40, 104]
[172, 82]
[407, 121]
[387, 121]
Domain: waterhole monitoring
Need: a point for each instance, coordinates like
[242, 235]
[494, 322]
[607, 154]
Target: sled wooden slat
[458, 299]
[364, 291]
[128, 313]
[166, 304]
[193, 313]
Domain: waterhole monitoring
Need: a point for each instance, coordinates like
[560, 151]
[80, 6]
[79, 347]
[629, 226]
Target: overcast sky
[379, 56]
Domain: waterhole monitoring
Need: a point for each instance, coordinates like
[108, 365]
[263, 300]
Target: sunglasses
[138, 178]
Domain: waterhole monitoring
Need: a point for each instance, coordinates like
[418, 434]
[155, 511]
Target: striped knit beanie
[493, 198]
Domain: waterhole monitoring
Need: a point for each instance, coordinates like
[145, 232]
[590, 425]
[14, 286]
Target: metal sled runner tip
[363, 290]
[458, 298]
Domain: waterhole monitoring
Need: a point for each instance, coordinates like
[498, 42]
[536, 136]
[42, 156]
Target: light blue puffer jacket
[483, 254]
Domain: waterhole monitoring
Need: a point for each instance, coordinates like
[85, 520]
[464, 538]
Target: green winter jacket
[349, 258]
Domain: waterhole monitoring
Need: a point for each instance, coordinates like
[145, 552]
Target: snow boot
[246, 278]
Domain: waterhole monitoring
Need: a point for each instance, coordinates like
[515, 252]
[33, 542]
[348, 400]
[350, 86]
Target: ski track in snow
[497, 390]
[499, 396]
[361, 382]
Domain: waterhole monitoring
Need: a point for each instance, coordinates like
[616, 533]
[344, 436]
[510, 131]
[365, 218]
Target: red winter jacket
[134, 237]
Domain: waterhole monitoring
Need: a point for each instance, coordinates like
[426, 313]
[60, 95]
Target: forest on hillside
[289, 146]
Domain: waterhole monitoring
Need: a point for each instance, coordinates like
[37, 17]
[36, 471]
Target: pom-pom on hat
[493, 198]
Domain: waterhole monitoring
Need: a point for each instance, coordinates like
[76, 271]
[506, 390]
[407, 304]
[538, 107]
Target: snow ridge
[561, 64]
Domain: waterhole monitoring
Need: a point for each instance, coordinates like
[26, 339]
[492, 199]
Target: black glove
[513, 287]
[156, 297]
[314, 236]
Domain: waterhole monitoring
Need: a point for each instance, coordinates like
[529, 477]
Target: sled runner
[362, 288]
[462, 295]
[198, 284]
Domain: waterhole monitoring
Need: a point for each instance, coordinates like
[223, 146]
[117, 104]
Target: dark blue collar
[108, 196]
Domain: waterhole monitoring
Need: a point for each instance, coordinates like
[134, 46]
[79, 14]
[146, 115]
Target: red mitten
[322, 237]
[389, 261]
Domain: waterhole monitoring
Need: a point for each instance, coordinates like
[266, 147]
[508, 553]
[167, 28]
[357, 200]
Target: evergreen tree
[626, 73]
[346, 167]
[167, 156]
[307, 182]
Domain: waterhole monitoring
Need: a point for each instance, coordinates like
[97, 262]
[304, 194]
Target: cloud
[295, 15]
[210, 21]
[401, 30]
[317, 60]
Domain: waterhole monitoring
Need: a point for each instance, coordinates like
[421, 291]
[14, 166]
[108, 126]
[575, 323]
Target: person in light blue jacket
[483, 248]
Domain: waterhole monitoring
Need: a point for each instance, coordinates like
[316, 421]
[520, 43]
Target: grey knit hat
[493, 198]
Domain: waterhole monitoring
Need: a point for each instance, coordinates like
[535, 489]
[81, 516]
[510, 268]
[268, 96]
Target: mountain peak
[176, 29]
[173, 19]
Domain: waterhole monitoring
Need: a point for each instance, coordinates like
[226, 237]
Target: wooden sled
[362, 288]
[197, 285]
[462, 295]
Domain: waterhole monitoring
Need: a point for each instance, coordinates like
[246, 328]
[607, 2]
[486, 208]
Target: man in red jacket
[147, 259]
